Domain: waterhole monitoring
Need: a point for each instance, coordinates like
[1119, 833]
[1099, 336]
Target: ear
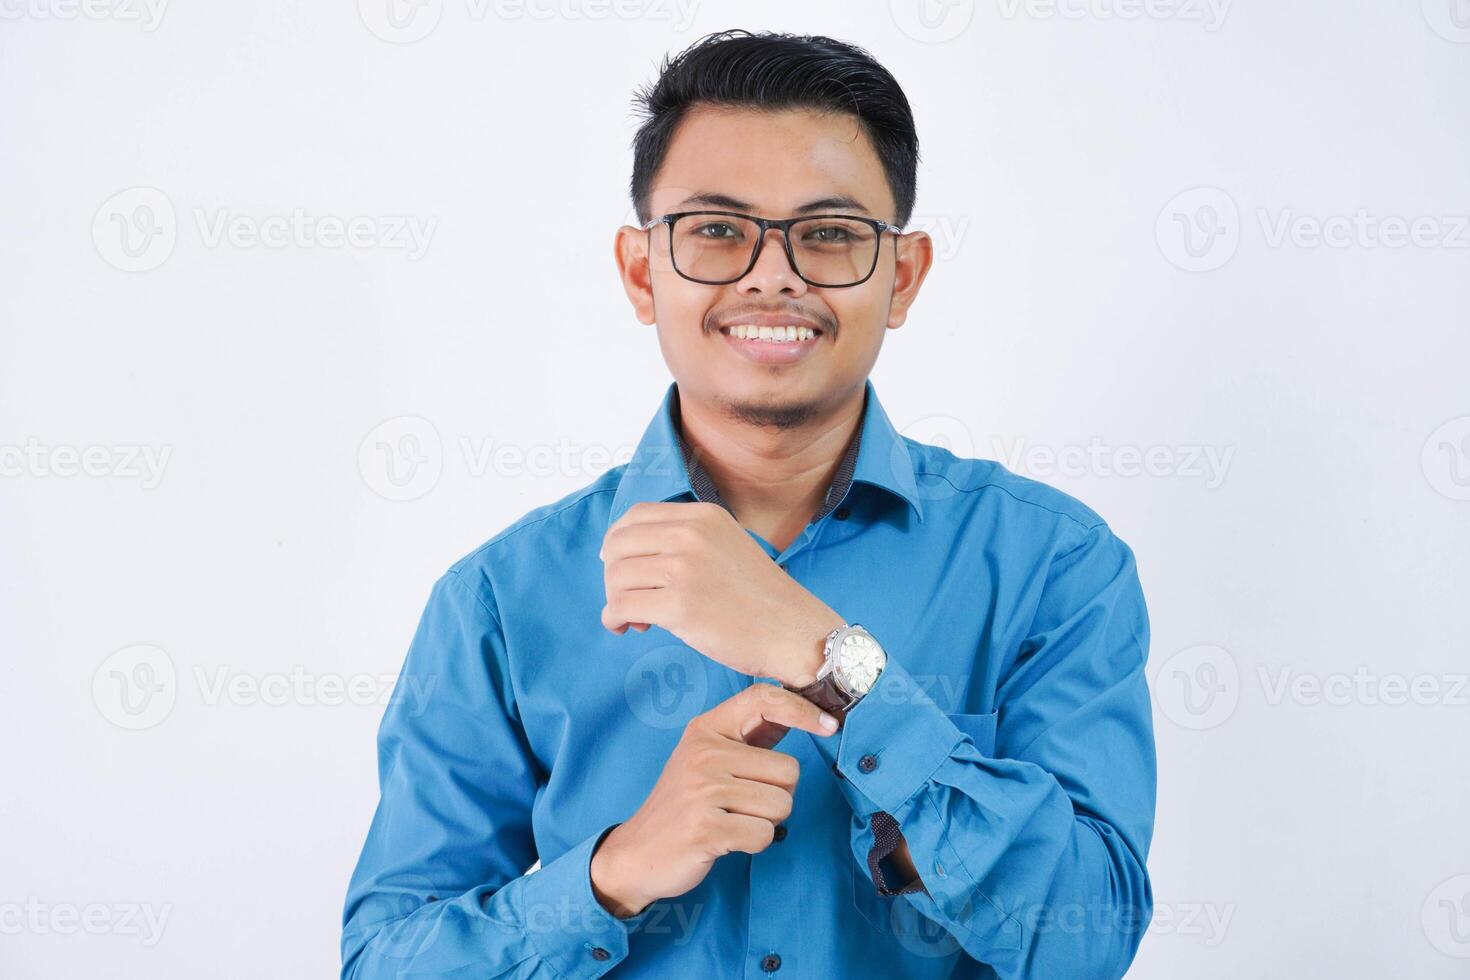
[630, 251]
[915, 256]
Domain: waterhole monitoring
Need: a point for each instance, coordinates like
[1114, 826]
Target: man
[787, 694]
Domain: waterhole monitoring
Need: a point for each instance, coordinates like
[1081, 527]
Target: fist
[723, 789]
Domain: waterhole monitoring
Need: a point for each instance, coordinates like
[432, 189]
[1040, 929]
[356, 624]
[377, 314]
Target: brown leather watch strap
[825, 694]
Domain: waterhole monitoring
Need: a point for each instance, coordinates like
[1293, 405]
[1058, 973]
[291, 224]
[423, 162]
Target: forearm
[1006, 858]
[548, 923]
[1024, 883]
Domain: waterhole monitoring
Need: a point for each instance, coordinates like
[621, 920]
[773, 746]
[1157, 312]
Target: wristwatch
[852, 660]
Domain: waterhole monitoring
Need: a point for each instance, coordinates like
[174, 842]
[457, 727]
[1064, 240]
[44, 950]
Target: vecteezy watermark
[148, 13]
[137, 229]
[1199, 229]
[1445, 917]
[932, 21]
[301, 687]
[1362, 686]
[1198, 687]
[1201, 686]
[666, 686]
[1208, 464]
[142, 920]
[1210, 14]
[1445, 459]
[947, 231]
[137, 687]
[1450, 19]
[1205, 922]
[123, 461]
[407, 21]
[403, 458]
[1362, 229]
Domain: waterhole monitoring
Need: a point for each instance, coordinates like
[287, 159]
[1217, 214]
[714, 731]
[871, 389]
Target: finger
[636, 606]
[648, 538]
[638, 572]
[655, 511]
[739, 716]
[754, 799]
[763, 765]
[740, 832]
[765, 735]
[742, 761]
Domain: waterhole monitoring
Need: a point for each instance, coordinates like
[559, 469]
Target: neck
[774, 478]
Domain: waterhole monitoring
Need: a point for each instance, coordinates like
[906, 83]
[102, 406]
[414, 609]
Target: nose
[772, 272]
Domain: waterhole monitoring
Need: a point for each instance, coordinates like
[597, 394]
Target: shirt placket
[774, 938]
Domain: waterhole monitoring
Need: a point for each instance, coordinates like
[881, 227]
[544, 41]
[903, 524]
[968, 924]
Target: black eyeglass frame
[765, 224]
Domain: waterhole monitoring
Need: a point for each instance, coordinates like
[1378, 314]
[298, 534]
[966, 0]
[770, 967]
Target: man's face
[772, 164]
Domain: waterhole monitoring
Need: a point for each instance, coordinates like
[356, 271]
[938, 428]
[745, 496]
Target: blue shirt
[1009, 740]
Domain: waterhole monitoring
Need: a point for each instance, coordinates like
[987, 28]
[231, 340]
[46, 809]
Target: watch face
[859, 661]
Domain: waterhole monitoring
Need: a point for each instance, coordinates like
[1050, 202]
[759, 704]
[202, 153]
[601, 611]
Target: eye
[716, 230]
[829, 234]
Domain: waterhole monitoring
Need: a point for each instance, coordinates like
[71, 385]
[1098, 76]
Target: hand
[692, 569]
[723, 789]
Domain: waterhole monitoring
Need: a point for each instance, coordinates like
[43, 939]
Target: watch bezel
[832, 666]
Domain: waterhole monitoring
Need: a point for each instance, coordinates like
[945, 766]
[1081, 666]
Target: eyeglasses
[826, 250]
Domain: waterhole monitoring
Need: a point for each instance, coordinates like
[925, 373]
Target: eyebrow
[842, 202]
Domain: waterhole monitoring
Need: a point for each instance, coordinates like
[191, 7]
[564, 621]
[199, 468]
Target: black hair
[774, 71]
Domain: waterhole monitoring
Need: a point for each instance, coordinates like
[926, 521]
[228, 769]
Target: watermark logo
[401, 933]
[136, 687]
[124, 461]
[140, 920]
[400, 21]
[1450, 19]
[932, 21]
[402, 458]
[1199, 230]
[948, 433]
[1363, 229]
[1446, 917]
[1198, 687]
[1207, 464]
[1445, 459]
[148, 13]
[667, 686]
[135, 230]
[947, 232]
[1210, 14]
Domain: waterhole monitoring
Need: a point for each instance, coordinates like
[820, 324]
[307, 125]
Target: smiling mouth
[775, 335]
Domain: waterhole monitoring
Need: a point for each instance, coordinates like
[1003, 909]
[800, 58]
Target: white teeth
[776, 335]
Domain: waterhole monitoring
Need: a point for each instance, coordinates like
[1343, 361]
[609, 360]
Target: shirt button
[598, 953]
[868, 763]
[770, 962]
[780, 832]
[841, 513]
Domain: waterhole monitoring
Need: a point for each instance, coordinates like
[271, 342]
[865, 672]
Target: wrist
[808, 652]
[608, 885]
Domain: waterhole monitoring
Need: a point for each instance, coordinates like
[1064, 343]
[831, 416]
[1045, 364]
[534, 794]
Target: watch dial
[860, 660]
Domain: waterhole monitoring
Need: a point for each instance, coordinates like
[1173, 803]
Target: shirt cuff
[574, 934]
[891, 742]
[886, 838]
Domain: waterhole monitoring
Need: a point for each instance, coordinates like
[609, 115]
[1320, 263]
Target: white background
[1307, 590]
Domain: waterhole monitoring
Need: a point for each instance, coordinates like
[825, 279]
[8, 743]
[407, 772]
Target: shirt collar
[660, 469]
